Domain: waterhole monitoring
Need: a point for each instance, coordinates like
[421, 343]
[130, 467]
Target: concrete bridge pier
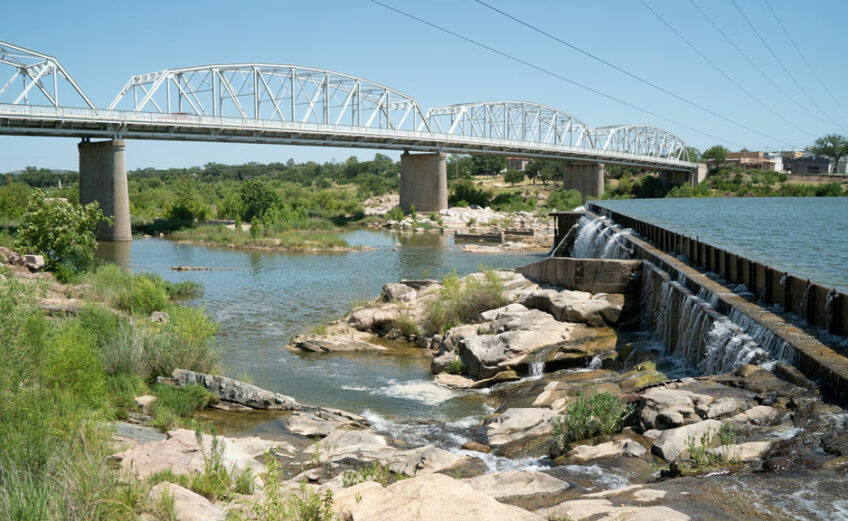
[423, 182]
[103, 178]
[692, 177]
[586, 178]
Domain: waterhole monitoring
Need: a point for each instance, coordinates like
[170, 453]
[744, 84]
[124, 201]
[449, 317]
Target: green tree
[513, 176]
[834, 146]
[61, 231]
[717, 154]
[551, 171]
[694, 154]
[189, 206]
[258, 196]
[487, 165]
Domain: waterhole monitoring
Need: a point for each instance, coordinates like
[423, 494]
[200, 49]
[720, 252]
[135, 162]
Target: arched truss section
[511, 120]
[640, 139]
[285, 93]
[35, 80]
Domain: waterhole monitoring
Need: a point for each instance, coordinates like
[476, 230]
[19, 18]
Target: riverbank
[307, 241]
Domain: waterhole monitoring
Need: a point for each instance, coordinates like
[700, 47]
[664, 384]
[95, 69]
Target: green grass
[407, 325]
[374, 472]
[700, 455]
[296, 240]
[590, 415]
[460, 302]
[135, 293]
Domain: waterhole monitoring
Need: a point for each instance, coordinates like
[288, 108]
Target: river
[806, 236]
[261, 299]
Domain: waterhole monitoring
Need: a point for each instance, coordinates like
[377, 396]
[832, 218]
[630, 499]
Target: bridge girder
[40, 77]
[511, 120]
[640, 139]
[258, 91]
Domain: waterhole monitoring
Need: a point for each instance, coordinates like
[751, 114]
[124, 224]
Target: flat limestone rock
[605, 510]
[235, 391]
[333, 344]
[521, 488]
[181, 454]
[611, 449]
[425, 498]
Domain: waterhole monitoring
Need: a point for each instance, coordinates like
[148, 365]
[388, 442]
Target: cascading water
[588, 231]
[728, 347]
[597, 239]
[537, 369]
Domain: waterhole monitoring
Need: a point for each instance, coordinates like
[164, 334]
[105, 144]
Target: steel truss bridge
[288, 104]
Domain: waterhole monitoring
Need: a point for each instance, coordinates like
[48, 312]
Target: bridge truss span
[511, 121]
[641, 140]
[268, 92]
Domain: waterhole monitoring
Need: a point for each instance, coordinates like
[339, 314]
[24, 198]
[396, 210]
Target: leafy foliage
[63, 232]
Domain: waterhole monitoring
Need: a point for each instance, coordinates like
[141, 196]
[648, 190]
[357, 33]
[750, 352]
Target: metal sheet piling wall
[821, 306]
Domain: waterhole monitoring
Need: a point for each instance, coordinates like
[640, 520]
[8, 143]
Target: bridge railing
[119, 123]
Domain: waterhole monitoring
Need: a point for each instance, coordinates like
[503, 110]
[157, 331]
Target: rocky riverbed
[756, 443]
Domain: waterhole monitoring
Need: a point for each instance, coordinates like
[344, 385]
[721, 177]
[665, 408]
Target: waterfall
[692, 329]
[728, 347]
[537, 369]
[587, 235]
[597, 239]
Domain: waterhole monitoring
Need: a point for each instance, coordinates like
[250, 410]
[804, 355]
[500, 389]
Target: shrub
[74, 364]
[464, 190]
[63, 232]
[513, 176]
[187, 341]
[455, 366]
[564, 200]
[395, 214]
[700, 454]
[407, 326]
[144, 295]
[589, 416]
[460, 302]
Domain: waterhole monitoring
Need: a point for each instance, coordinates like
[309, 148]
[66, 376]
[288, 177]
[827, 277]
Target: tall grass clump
[462, 301]
[138, 294]
[590, 415]
[53, 435]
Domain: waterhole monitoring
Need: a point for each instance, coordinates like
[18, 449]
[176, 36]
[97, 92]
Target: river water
[806, 236]
[261, 299]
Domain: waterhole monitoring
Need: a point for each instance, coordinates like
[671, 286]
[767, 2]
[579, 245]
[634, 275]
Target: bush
[395, 214]
[460, 302]
[74, 364]
[144, 295]
[407, 326]
[374, 472]
[63, 232]
[465, 191]
[589, 416]
[564, 200]
[513, 176]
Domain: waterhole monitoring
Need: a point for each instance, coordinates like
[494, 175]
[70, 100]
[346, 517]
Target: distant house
[517, 163]
[755, 160]
[806, 165]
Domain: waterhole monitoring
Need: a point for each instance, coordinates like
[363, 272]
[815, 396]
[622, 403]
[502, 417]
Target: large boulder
[517, 339]
[395, 292]
[524, 488]
[599, 509]
[611, 449]
[426, 498]
[378, 319]
[662, 408]
[673, 442]
[493, 314]
[188, 505]
[578, 306]
[235, 391]
[519, 431]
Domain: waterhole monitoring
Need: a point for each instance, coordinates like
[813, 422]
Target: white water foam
[423, 391]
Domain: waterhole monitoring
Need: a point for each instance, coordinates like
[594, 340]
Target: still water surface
[806, 236]
[261, 299]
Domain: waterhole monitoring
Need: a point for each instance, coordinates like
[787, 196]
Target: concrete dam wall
[705, 304]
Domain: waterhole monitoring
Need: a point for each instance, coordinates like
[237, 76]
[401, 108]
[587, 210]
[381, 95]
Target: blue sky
[102, 44]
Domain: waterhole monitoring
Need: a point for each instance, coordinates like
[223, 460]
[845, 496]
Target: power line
[628, 73]
[803, 57]
[555, 75]
[753, 64]
[719, 69]
[782, 66]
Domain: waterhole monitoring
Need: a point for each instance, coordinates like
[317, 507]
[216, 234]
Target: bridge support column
[103, 178]
[698, 174]
[423, 182]
[586, 178]
[670, 178]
